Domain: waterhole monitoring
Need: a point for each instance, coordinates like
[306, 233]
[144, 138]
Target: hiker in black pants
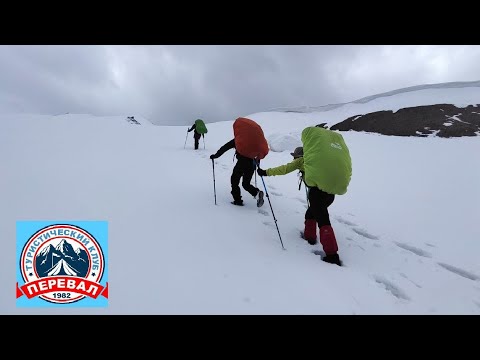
[245, 167]
[196, 135]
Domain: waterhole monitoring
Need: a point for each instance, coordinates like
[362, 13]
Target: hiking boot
[238, 202]
[260, 198]
[332, 259]
[310, 241]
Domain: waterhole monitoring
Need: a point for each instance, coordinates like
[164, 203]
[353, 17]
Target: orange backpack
[249, 139]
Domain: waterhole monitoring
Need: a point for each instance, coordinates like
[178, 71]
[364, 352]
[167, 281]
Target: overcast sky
[177, 84]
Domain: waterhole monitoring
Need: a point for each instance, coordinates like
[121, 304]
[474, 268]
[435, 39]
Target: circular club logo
[62, 264]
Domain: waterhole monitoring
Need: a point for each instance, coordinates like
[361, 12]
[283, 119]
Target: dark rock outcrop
[442, 120]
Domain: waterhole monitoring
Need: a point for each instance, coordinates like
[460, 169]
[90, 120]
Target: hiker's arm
[285, 169]
[193, 127]
[229, 145]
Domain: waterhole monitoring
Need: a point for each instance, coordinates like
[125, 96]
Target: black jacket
[231, 145]
[194, 127]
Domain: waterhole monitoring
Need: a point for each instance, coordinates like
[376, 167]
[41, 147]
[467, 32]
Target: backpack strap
[302, 180]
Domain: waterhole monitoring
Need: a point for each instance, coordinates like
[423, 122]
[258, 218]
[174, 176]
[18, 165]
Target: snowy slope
[406, 228]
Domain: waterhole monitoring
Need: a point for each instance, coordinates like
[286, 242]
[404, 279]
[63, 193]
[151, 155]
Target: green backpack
[326, 159]
[200, 126]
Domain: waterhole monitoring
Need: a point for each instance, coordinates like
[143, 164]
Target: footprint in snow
[391, 287]
[413, 249]
[263, 212]
[343, 221]
[413, 282]
[364, 233]
[464, 273]
[362, 247]
[319, 252]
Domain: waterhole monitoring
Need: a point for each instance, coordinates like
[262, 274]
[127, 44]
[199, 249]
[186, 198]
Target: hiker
[199, 130]
[250, 147]
[326, 173]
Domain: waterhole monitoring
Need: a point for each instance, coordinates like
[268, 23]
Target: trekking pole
[306, 189]
[306, 194]
[214, 191]
[203, 137]
[185, 140]
[268, 197]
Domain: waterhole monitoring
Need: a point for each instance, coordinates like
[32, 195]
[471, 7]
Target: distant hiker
[200, 130]
[326, 168]
[250, 147]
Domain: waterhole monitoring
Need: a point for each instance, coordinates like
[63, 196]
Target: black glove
[261, 172]
[213, 156]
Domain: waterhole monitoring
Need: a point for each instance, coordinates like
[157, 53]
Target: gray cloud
[177, 84]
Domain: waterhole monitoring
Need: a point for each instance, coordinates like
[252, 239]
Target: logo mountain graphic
[62, 260]
[62, 268]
